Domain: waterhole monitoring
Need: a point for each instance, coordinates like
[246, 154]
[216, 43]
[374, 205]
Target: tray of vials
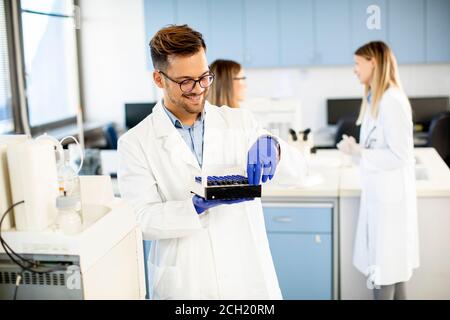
[225, 187]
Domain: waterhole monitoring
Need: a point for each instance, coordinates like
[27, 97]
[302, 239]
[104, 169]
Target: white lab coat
[386, 245]
[223, 253]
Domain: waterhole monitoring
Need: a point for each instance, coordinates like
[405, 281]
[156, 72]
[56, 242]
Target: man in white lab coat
[200, 249]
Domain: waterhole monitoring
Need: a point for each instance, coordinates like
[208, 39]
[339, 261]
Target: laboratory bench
[311, 229]
[325, 138]
[432, 279]
[103, 260]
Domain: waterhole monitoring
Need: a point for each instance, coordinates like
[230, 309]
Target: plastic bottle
[69, 218]
[69, 182]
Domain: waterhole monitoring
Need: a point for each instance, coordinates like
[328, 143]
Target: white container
[5, 190]
[68, 180]
[69, 218]
[32, 170]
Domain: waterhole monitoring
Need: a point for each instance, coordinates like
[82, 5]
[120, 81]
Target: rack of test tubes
[226, 187]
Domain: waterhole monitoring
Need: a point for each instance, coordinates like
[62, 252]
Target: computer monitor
[136, 112]
[340, 108]
[425, 108]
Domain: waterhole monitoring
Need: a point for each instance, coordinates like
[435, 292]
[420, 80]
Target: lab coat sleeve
[395, 116]
[291, 168]
[158, 219]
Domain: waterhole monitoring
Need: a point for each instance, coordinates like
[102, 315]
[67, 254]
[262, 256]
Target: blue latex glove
[201, 204]
[262, 159]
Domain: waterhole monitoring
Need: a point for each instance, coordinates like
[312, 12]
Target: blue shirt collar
[177, 123]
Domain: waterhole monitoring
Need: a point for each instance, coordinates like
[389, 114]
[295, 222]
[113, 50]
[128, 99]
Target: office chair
[439, 135]
[347, 125]
[111, 138]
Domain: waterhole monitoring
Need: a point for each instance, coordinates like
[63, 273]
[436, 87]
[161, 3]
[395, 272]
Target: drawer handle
[282, 219]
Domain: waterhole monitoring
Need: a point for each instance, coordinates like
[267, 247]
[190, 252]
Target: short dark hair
[177, 40]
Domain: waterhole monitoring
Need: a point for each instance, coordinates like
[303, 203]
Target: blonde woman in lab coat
[386, 247]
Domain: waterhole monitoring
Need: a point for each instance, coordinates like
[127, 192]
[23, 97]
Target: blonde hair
[221, 91]
[385, 75]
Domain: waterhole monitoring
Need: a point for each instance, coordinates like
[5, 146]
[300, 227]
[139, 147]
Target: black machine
[342, 108]
[423, 110]
[226, 187]
[136, 112]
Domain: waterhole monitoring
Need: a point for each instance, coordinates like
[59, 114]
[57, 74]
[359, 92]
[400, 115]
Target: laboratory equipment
[302, 135]
[305, 133]
[5, 190]
[136, 112]
[340, 108]
[69, 217]
[424, 109]
[69, 185]
[225, 187]
[276, 115]
[302, 141]
[32, 171]
[293, 134]
[68, 180]
[103, 261]
[33, 178]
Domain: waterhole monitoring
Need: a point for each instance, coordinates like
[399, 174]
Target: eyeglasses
[189, 84]
[239, 78]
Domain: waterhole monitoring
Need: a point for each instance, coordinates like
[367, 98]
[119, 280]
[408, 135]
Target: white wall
[314, 85]
[115, 72]
[113, 57]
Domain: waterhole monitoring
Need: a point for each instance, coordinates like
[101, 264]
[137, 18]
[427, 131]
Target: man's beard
[192, 109]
